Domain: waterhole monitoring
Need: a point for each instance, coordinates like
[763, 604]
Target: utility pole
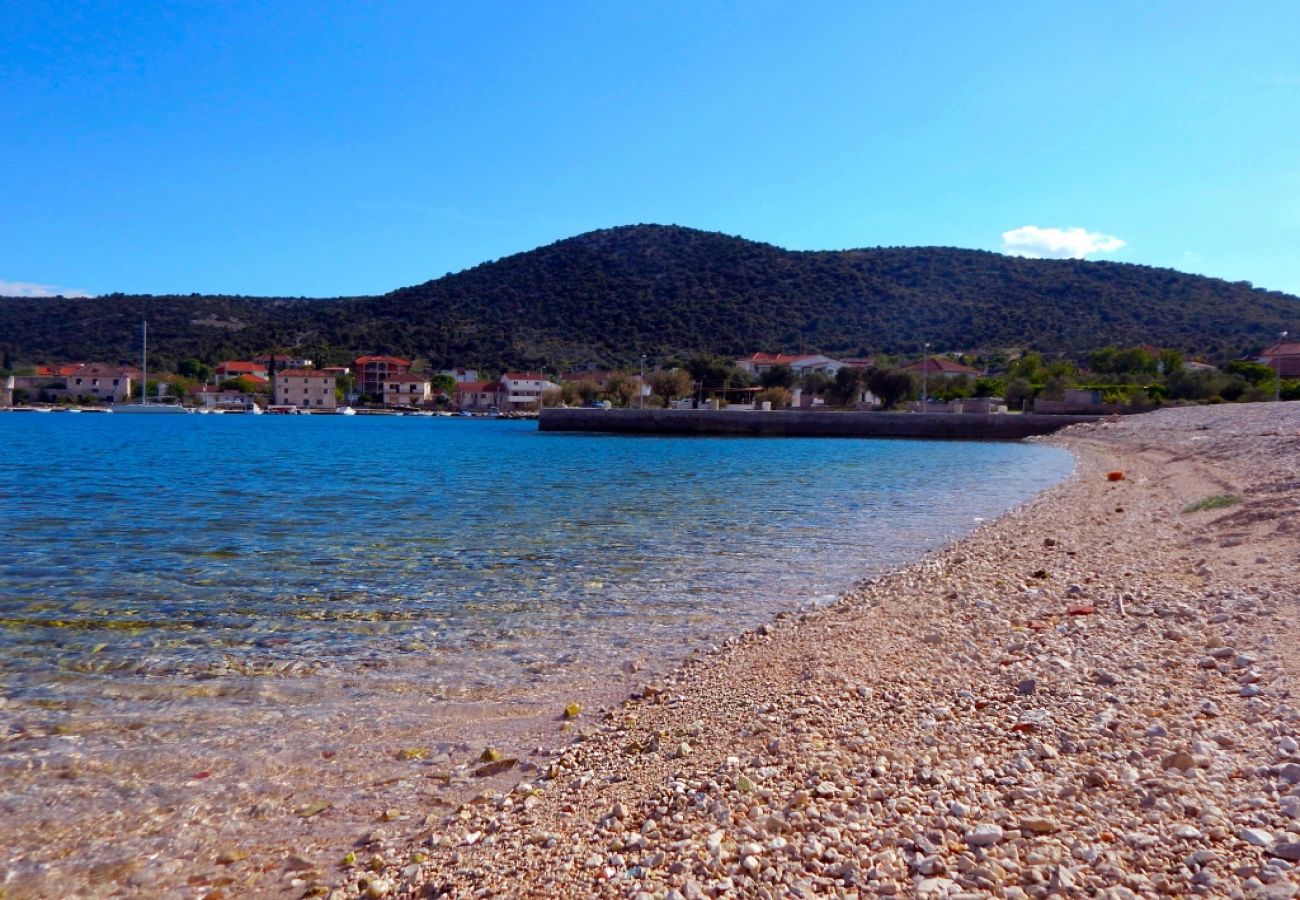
[1277, 368]
[925, 378]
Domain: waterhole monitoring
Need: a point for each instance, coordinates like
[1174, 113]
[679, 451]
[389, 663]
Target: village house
[98, 382]
[801, 364]
[524, 390]
[281, 362]
[305, 389]
[461, 375]
[1283, 358]
[234, 368]
[373, 371]
[213, 397]
[478, 396]
[941, 367]
[406, 390]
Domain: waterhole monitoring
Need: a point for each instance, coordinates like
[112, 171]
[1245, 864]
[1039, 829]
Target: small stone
[1180, 760]
[1062, 880]
[826, 789]
[1256, 837]
[496, 767]
[1038, 825]
[1187, 832]
[1027, 686]
[683, 750]
[983, 836]
[1288, 851]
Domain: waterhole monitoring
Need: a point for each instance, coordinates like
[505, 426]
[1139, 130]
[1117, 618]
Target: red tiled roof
[239, 365]
[101, 370]
[363, 360]
[1288, 348]
[59, 369]
[405, 378]
[301, 373]
[475, 387]
[940, 364]
[524, 376]
[775, 358]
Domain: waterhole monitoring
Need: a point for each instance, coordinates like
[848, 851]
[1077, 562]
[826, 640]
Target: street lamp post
[925, 379]
[1277, 368]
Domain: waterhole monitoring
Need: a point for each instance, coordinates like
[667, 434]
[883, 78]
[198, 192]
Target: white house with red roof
[801, 364]
[406, 390]
[461, 375]
[478, 396]
[524, 390]
[305, 388]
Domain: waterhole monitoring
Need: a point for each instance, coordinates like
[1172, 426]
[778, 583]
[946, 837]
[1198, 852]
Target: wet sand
[1090, 696]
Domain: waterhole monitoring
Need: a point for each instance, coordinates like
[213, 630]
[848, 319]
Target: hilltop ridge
[609, 295]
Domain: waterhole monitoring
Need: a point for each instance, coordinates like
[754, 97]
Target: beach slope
[1091, 695]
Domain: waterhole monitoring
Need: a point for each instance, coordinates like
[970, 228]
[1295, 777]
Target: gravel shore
[1090, 696]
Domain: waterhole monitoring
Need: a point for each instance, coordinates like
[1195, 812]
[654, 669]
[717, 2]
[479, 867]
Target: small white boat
[345, 411]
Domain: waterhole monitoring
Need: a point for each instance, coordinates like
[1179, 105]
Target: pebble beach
[1090, 696]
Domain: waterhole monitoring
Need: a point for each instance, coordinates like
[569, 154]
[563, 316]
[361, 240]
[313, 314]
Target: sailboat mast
[144, 363]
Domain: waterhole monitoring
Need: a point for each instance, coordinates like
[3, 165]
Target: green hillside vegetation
[608, 296]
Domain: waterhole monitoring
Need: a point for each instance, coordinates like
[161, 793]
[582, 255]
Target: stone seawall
[790, 423]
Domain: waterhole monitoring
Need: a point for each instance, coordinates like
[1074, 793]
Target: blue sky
[341, 148]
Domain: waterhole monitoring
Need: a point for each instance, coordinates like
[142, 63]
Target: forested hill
[609, 296]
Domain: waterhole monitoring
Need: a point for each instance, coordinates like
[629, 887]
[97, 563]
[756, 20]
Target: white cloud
[1057, 243]
[27, 289]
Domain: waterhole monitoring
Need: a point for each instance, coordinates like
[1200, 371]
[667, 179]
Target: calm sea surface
[200, 544]
[209, 624]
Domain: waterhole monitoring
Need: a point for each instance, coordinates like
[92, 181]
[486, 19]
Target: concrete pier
[792, 423]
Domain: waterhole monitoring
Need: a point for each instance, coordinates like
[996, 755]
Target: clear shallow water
[236, 544]
[208, 623]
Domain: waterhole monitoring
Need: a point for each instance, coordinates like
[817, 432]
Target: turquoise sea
[191, 545]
